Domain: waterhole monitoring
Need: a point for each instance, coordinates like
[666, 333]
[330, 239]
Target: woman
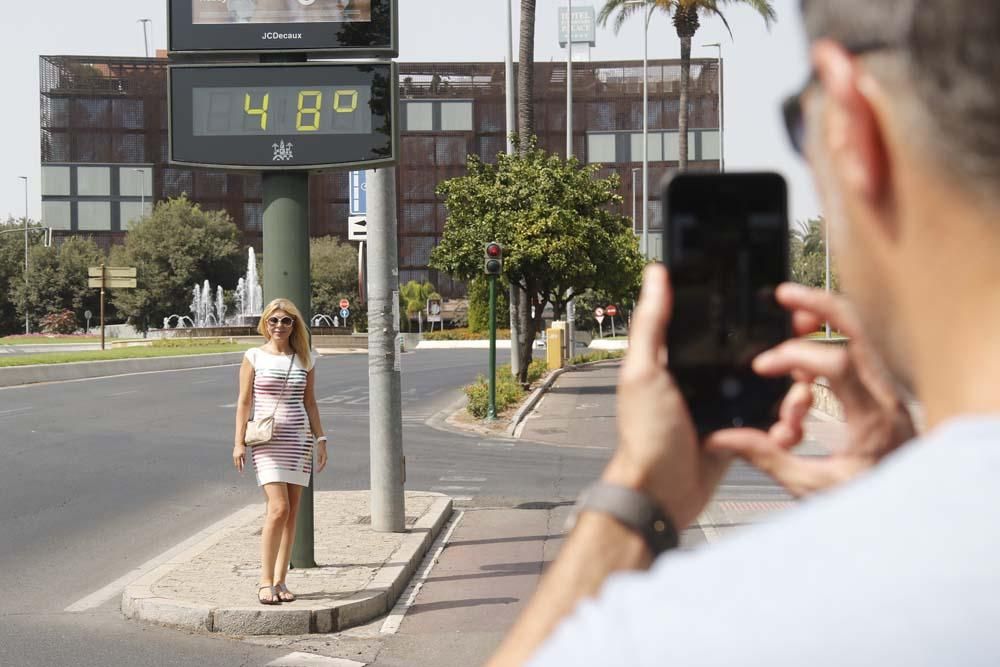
[279, 378]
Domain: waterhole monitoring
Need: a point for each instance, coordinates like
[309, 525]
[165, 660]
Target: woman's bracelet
[322, 438]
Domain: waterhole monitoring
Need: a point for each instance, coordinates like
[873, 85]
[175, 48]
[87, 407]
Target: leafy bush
[465, 334]
[190, 342]
[62, 322]
[537, 369]
[509, 391]
[596, 355]
[479, 304]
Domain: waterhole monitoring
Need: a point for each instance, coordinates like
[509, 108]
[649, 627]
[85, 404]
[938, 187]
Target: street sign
[345, 27]
[433, 310]
[359, 193]
[344, 303]
[584, 25]
[112, 283]
[612, 310]
[290, 117]
[87, 314]
[357, 228]
[112, 272]
[600, 319]
[344, 313]
[598, 312]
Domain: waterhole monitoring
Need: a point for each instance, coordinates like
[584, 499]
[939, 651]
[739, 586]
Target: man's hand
[658, 450]
[877, 420]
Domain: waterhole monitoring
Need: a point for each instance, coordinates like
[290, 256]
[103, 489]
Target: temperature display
[282, 110]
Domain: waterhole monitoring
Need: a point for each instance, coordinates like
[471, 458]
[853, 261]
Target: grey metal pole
[515, 349]
[645, 136]
[27, 323]
[569, 80]
[722, 115]
[142, 199]
[145, 39]
[385, 411]
[826, 251]
[286, 275]
[635, 191]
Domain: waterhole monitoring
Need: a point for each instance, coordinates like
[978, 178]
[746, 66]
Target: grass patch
[465, 334]
[596, 355]
[44, 339]
[119, 353]
[509, 391]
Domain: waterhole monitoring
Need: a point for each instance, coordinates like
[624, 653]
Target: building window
[55, 181]
[56, 214]
[419, 116]
[132, 212]
[135, 182]
[94, 215]
[601, 148]
[253, 217]
[93, 181]
[456, 116]
[129, 148]
[710, 148]
[177, 182]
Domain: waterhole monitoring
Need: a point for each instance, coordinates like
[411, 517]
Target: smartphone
[726, 246]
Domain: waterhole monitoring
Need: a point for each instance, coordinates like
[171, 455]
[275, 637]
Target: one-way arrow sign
[357, 228]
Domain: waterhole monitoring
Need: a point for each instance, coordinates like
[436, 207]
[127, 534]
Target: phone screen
[726, 238]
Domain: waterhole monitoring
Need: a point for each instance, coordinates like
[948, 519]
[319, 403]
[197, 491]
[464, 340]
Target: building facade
[105, 158]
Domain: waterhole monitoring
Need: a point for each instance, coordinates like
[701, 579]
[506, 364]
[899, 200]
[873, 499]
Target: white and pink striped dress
[288, 456]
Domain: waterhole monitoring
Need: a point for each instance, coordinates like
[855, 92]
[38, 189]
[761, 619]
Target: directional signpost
[109, 277]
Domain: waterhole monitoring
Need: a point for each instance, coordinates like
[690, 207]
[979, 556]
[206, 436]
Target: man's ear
[853, 130]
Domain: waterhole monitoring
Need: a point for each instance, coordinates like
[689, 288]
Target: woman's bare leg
[278, 509]
[284, 553]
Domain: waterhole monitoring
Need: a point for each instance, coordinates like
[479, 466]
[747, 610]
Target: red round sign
[612, 310]
[344, 303]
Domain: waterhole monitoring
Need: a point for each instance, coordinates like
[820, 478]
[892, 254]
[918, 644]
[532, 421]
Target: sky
[761, 68]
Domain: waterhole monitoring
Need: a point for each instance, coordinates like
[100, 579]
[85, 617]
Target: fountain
[319, 320]
[220, 305]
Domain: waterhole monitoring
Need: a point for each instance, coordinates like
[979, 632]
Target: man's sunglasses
[791, 109]
[285, 321]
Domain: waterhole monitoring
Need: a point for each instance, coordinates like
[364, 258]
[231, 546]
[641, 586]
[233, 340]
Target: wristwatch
[633, 509]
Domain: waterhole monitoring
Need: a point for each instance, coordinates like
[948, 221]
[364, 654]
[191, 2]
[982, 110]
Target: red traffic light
[493, 250]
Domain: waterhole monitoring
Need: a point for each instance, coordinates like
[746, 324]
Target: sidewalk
[212, 585]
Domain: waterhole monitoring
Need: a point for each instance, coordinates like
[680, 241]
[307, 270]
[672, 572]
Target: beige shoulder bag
[261, 431]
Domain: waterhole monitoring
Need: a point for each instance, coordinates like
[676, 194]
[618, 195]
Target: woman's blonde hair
[299, 340]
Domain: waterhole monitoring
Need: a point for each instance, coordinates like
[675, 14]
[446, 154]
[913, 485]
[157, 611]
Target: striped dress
[288, 456]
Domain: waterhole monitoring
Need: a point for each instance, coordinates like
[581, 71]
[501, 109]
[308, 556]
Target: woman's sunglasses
[791, 109]
[285, 321]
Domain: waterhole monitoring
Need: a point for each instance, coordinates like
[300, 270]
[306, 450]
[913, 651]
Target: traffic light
[493, 264]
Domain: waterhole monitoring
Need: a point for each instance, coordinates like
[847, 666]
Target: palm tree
[526, 75]
[686, 18]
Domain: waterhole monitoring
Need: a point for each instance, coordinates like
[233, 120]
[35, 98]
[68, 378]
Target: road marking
[13, 410]
[206, 381]
[115, 588]
[124, 393]
[462, 479]
[119, 375]
[301, 659]
[409, 596]
[449, 489]
[228, 405]
[494, 443]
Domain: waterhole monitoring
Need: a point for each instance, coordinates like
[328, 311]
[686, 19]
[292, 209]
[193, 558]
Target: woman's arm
[312, 409]
[243, 404]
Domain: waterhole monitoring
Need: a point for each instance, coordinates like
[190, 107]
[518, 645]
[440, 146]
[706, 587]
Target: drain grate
[367, 520]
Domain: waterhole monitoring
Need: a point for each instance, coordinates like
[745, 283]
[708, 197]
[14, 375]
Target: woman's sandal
[273, 597]
[284, 594]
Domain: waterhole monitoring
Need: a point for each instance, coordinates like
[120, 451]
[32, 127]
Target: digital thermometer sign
[300, 116]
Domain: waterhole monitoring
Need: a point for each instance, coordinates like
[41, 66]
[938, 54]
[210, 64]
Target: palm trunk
[526, 75]
[686, 22]
[528, 330]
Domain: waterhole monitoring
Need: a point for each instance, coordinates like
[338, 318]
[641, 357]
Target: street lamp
[27, 325]
[645, 125]
[145, 39]
[722, 116]
[142, 200]
[569, 80]
[635, 189]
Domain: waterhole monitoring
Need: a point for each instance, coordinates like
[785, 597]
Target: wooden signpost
[110, 277]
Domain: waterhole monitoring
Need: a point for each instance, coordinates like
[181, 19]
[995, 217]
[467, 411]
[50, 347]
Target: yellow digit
[351, 106]
[262, 111]
[317, 100]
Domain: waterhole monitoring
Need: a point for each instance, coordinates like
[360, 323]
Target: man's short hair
[951, 51]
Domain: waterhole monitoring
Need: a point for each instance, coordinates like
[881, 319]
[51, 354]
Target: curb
[529, 405]
[140, 603]
[13, 376]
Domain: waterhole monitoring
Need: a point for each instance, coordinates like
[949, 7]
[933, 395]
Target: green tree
[334, 269]
[808, 255]
[413, 298]
[685, 15]
[479, 304]
[12, 290]
[555, 222]
[175, 248]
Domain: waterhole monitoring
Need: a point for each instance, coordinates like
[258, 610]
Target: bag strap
[284, 384]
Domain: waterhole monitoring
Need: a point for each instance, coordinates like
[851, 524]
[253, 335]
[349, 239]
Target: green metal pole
[491, 412]
[286, 275]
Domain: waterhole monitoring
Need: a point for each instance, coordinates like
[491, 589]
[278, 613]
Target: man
[901, 564]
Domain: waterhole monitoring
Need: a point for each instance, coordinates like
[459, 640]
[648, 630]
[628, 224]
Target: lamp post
[569, 80]
[515, 350]
[722, 111]
[142, 199]
[145, 39]
[645, 124]
[635, 172]
[27, 324]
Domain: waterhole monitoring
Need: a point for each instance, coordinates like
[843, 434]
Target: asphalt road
[100, 476]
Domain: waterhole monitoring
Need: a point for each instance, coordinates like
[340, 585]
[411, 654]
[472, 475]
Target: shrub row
[509, 391]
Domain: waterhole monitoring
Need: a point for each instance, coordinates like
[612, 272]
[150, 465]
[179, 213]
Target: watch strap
[635, 510]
